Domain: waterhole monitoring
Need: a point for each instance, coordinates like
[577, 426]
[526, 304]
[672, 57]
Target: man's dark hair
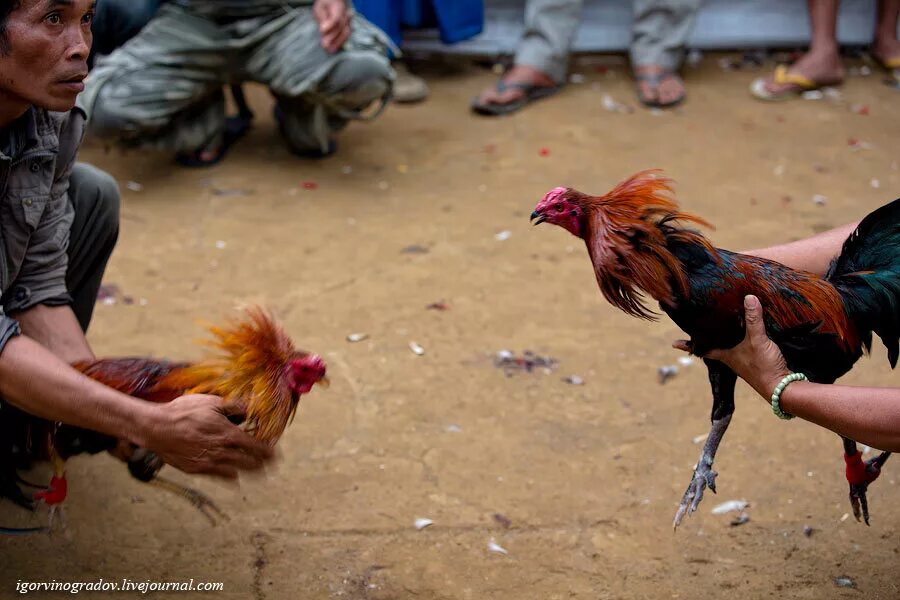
[6, 9]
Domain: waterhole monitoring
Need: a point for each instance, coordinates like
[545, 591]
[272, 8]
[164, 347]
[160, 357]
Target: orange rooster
[256, 367]
[639, 246]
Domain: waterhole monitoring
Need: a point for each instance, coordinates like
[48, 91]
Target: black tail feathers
[867, 275]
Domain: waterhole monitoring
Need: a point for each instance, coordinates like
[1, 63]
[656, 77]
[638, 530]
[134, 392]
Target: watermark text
[120, 585]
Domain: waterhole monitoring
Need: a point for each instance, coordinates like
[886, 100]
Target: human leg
[95, 228]
[163, 89]
[820, 66]
[659, 37]
[541, 60]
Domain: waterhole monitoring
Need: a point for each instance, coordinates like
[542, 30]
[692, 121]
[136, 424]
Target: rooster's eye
[558, 207]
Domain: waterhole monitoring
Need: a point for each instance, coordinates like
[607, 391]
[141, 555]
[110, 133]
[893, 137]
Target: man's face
[49, 42]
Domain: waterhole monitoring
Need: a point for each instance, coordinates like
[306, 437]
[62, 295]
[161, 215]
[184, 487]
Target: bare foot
[886, 49]
[659, 87]
[518, 74]
[823, 67]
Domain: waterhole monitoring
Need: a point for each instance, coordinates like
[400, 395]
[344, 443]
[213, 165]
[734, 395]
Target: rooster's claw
[198, 499]
[704, 477]
[861, 474]
[859, 502]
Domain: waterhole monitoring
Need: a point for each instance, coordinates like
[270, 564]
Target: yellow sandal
[782, 77]
[892, 66]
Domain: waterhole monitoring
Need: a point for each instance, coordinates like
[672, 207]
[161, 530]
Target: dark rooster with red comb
[639, 245]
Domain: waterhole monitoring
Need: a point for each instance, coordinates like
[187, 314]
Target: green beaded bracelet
[776, 395]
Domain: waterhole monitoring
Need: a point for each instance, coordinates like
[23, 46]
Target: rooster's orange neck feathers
[249, 371]
[627, 235]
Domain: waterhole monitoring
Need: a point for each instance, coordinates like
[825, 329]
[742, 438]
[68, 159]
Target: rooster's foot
[862, 474]
[704, 477]
[198, 499]
[859, 502]
[57, 523]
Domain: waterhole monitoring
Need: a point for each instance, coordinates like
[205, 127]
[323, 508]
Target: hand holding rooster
[756, 360]
[193, 434]
[149, 412]
[869, 415]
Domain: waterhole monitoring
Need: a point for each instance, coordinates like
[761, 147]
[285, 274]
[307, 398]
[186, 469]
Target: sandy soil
[586, 478]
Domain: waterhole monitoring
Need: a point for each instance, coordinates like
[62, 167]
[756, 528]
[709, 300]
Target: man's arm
[57, 329]
[40, 383]
[868, 415]
[192, 433]
[812, 254]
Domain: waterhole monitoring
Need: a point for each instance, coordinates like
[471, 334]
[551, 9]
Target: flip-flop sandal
[307, 153]
[892, 66]
[782, 77]
[655, 79]
[236, 127]
[531, 91]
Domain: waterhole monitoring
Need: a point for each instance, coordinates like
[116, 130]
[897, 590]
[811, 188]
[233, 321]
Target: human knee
[115, 115]
[96, 192]
[109, 115]
[360, 79]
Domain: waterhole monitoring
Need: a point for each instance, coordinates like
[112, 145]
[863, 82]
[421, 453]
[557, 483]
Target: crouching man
[324, 65]
[58, 225]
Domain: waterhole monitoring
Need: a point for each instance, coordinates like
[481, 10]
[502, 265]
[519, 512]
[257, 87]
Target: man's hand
[334, 23]
[756, 360]
[193, 434]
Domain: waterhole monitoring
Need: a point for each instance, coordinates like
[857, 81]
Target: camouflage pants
[163, 89]
[661, 30]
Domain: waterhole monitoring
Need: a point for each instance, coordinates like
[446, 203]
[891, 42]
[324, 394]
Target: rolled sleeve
[9, 328]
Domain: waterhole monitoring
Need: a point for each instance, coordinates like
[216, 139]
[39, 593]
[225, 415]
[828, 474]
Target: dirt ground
[578, 483]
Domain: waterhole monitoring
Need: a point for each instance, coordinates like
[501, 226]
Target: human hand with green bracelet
[868, 415]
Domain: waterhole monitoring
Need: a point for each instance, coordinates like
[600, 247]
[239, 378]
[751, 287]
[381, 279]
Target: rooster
[639, 245]
[256, 368]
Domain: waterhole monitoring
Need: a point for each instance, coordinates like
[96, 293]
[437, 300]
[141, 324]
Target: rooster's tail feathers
[867, 274]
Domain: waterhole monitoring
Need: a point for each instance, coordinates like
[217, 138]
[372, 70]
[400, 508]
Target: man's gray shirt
[37, 153]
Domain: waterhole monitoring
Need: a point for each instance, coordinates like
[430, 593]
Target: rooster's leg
[198, 499]
[145, 466]
[859, 475]
[57, 523]
[722, 380]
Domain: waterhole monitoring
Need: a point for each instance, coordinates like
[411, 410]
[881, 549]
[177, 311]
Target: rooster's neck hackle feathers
[628, 235]
[250, 369]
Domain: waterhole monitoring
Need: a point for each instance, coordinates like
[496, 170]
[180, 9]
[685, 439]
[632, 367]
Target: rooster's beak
[324, 382]
[540, 218]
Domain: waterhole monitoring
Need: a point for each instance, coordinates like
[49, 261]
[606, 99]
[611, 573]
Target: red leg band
[55, 493]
